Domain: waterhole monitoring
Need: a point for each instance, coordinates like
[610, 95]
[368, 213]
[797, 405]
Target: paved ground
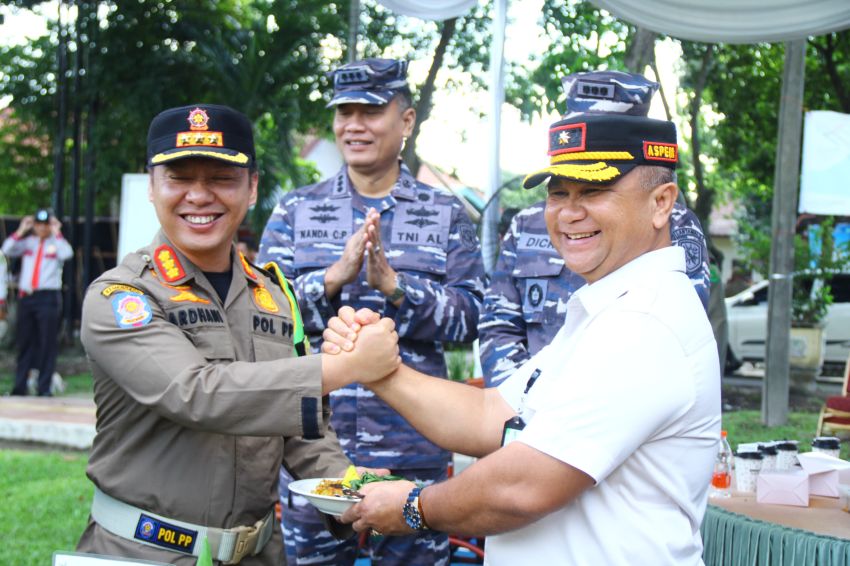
[59, 421]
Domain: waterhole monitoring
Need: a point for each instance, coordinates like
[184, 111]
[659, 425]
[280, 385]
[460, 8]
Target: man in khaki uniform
[201, 382]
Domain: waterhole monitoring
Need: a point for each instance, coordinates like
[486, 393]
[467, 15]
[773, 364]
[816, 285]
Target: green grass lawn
[45, 503]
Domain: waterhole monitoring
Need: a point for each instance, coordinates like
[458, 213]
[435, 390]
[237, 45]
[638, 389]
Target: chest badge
[264, 300]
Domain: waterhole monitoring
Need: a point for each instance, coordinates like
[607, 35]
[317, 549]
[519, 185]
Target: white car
[746, 313]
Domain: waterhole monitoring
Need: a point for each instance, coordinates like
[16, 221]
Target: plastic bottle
[721, 478]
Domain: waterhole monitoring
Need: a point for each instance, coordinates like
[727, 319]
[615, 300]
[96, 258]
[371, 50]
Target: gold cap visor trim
[593, 172]
[238, 159]
[592, 155]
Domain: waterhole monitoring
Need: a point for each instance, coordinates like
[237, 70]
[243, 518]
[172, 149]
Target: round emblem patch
[467, 235]
[131, 310]
[198, 119]
[691, 241]
[146, 529]
[264, 300]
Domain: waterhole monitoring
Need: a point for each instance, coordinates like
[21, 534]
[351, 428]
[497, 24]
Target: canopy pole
[490, 219]
[353, 28]
[774, 408]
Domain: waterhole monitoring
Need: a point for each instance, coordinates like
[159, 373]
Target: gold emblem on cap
[198, 119]
[564, 138]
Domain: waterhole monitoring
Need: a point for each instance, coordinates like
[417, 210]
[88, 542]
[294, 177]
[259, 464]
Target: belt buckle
[246, 541]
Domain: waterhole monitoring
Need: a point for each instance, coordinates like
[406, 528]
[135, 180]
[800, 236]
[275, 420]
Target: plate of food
[334, 495]
[326, 494]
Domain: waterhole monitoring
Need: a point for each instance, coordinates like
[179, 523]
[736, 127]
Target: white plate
[324, 503]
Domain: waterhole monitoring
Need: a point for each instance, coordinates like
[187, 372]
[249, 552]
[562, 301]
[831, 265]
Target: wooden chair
[835, 414]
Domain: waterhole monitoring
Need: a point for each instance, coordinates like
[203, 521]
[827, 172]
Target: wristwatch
[412, 511]
[398, 292]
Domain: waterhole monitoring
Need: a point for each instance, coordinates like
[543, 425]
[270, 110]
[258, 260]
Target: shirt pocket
[214, 344]
[419, 239]
[271, 336]
[320, 232]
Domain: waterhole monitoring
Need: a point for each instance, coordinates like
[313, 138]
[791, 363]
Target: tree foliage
[743, 89]
[268, 58]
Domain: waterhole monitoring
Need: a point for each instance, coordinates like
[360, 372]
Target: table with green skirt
[739, 531]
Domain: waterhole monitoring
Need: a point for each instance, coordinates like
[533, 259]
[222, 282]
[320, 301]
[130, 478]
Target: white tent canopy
[734, 21]
[430, 9]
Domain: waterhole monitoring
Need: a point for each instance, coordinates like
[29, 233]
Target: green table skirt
[731, 539]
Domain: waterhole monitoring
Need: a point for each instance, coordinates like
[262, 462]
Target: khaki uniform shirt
[198, 402]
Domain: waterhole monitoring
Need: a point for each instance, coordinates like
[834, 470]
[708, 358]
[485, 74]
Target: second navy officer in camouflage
[526, 302]
[373, 236]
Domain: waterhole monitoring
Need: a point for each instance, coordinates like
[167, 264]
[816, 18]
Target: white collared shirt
[629, 393]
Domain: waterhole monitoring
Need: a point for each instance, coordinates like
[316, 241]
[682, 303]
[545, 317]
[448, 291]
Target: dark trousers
[38, 326]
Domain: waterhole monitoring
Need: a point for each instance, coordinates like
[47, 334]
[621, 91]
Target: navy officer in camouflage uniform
[373, 236]
[526, 302]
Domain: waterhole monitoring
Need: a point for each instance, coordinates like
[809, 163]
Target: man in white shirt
[599, 449]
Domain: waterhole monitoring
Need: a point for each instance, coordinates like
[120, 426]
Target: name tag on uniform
[323, 222]
[159, 533]
[272, 326]
[535, 242]
[421, 225]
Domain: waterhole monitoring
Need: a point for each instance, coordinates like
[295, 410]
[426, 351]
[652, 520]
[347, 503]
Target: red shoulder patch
[166, 259]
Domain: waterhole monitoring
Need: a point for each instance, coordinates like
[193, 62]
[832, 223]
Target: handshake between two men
[456, 417]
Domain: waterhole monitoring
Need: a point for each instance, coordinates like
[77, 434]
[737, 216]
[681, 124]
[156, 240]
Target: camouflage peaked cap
[605, 132]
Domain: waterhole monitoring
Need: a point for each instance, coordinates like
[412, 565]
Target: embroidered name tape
[159, 533]
[120, 287]
[657, 151]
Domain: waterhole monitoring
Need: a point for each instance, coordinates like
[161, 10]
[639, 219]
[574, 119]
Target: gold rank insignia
[168, 264]
[120, 287]
[198, 119]
[264, 300]
[247, 267]
[185, 295]
[193, 139]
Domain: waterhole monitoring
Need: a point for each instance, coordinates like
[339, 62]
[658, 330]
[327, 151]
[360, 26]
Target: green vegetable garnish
[369, 477]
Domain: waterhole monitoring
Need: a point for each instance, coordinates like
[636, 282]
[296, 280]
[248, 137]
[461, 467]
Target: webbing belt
[132, 523]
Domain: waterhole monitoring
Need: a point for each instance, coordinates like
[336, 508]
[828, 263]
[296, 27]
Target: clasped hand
[375, 338]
